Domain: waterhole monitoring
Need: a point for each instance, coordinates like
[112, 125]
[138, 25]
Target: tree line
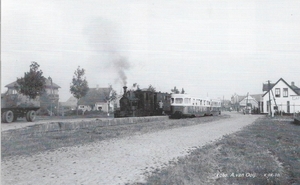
[33, 84]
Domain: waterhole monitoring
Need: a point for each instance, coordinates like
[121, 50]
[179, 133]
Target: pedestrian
[160, 106]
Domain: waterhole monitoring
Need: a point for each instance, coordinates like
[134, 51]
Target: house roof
[48, 84]
[72, 101]
[95, 95]
[54, 85]
[297, 89]
[257, 97]
[281, 79]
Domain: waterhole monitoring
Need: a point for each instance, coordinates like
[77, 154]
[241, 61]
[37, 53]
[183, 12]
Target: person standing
[160, 107]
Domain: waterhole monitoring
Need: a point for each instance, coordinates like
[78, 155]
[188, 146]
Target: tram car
[186, 106]
[143, 103]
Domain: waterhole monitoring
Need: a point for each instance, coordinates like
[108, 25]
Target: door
[288, 106]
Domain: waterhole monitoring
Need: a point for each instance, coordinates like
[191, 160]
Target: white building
[249, 101]
[285, 96]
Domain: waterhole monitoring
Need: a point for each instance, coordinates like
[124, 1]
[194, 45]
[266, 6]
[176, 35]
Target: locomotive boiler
[143, 103]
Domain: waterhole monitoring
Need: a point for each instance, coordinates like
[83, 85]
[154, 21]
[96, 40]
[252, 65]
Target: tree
[33, 83]
[175, 90]
[182, 91]
[79, 86]
[112, 94]
[151, 88]
[110, 97]
[135, 86]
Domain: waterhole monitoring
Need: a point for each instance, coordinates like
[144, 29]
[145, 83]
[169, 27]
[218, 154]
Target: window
[178, 100]
[14, 91]
[277, 92]
[285, 92]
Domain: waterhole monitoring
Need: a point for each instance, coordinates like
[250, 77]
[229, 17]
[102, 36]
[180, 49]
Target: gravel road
[116, 161]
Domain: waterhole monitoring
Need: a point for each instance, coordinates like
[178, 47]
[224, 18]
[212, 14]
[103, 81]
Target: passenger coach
[186, 106]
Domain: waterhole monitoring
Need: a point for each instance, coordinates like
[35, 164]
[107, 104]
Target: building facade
[281, 97]
[97, 99]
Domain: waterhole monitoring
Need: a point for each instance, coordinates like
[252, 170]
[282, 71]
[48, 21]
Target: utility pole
[269, 87]
[246, 108]
[51, 94]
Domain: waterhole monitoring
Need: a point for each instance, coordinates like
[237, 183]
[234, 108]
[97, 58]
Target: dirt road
[116, 161]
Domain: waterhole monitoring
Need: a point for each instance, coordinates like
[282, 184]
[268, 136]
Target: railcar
[143, 103]
[186, 106]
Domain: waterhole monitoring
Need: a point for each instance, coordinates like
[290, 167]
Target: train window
[178, 100]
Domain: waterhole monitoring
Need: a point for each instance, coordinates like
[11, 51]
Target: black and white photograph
[142, 92]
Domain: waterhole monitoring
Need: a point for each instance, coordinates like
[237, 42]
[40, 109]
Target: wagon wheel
[3, 117]
[8, 116]
[30, 115]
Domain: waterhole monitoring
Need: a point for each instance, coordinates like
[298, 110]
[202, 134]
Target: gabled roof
[283, 82]
[54, 85]
[297, 89]
[257, 97]
[72, 101]
[249, 99]
[48, 84]
[95, 95]
[11, 85]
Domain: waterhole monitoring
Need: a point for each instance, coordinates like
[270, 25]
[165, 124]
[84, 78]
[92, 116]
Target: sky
[213, 48]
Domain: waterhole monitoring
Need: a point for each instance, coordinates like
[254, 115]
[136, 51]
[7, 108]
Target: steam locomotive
[143, 103]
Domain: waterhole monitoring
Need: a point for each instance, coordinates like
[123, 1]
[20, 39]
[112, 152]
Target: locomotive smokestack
[125, 89]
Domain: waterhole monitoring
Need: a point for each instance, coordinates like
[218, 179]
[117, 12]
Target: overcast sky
[214, 48]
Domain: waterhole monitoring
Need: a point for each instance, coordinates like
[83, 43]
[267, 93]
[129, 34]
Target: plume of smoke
[105, 37]
[121, 64]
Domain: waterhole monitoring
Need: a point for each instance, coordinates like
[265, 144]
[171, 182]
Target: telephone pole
[269, 87]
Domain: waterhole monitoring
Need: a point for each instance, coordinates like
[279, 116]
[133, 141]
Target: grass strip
[266, 152]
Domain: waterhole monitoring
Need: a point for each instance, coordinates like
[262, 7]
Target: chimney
[293, 84]
[125, 88]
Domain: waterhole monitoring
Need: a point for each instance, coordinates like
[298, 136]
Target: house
[283, 97]
[48, 100]
[69, 105]
[253, 100]
[248, 101]
[97, 99]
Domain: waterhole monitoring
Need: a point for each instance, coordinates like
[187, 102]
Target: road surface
[117, 161]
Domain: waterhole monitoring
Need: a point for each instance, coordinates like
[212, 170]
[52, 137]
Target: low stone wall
[54, 126]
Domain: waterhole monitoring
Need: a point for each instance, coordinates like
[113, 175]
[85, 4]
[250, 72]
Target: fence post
[294, 110]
